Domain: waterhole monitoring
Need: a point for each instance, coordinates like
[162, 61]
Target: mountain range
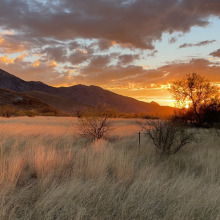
[23, 104]
[66, 99]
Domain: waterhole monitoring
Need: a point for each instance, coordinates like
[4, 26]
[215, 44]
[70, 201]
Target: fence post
[139, 138]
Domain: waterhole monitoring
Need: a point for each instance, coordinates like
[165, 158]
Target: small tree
[7, 111]
[168, 137]
[95, 124]
[196, 91]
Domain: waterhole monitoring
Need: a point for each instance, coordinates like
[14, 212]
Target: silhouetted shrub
[209, 115]
[168, 137]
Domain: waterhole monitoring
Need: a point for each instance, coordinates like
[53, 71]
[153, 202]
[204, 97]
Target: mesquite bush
[168, 137]
[95, 124]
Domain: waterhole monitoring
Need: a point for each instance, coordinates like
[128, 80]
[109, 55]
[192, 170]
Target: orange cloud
[69, 72]
[82, 51]
[1, 40]
[6, 60]
[53, 63]
[11, 46]
[36, 63]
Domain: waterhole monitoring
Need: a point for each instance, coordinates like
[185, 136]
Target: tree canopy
[197, 92]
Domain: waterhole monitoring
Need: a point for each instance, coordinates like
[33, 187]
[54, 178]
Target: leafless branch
[168, 137]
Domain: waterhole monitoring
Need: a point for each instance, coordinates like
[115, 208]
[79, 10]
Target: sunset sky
[131, 47]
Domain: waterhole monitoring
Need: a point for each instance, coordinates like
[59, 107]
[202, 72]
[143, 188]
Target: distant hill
[58, 102]
[24, 104]
[11, 82]
[68, 98]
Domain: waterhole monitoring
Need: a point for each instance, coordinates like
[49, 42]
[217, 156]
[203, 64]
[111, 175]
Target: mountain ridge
[24, 104]
[79, 95]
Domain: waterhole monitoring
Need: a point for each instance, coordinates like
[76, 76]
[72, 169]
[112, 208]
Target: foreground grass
[47, 172]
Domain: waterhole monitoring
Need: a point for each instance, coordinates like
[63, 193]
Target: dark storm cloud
[138, 23]
[215, 53]
[199, 44]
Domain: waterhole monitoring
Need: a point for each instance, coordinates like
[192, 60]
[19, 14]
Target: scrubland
[48, 172]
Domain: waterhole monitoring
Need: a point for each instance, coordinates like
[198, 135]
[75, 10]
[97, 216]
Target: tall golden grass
[48, 172]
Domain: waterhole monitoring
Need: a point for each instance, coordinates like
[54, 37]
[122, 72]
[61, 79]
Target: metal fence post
[139, 138]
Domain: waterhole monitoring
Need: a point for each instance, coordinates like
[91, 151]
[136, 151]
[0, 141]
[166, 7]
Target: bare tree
[168, 137]
[95, 124]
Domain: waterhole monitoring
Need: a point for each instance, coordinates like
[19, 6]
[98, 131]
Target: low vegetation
[216, 129]
[167, 136]
[7, 111]
[14, 104]
[50, 170]
[58, 175]
[95, 124]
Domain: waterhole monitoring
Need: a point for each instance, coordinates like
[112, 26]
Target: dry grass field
[48, 172]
